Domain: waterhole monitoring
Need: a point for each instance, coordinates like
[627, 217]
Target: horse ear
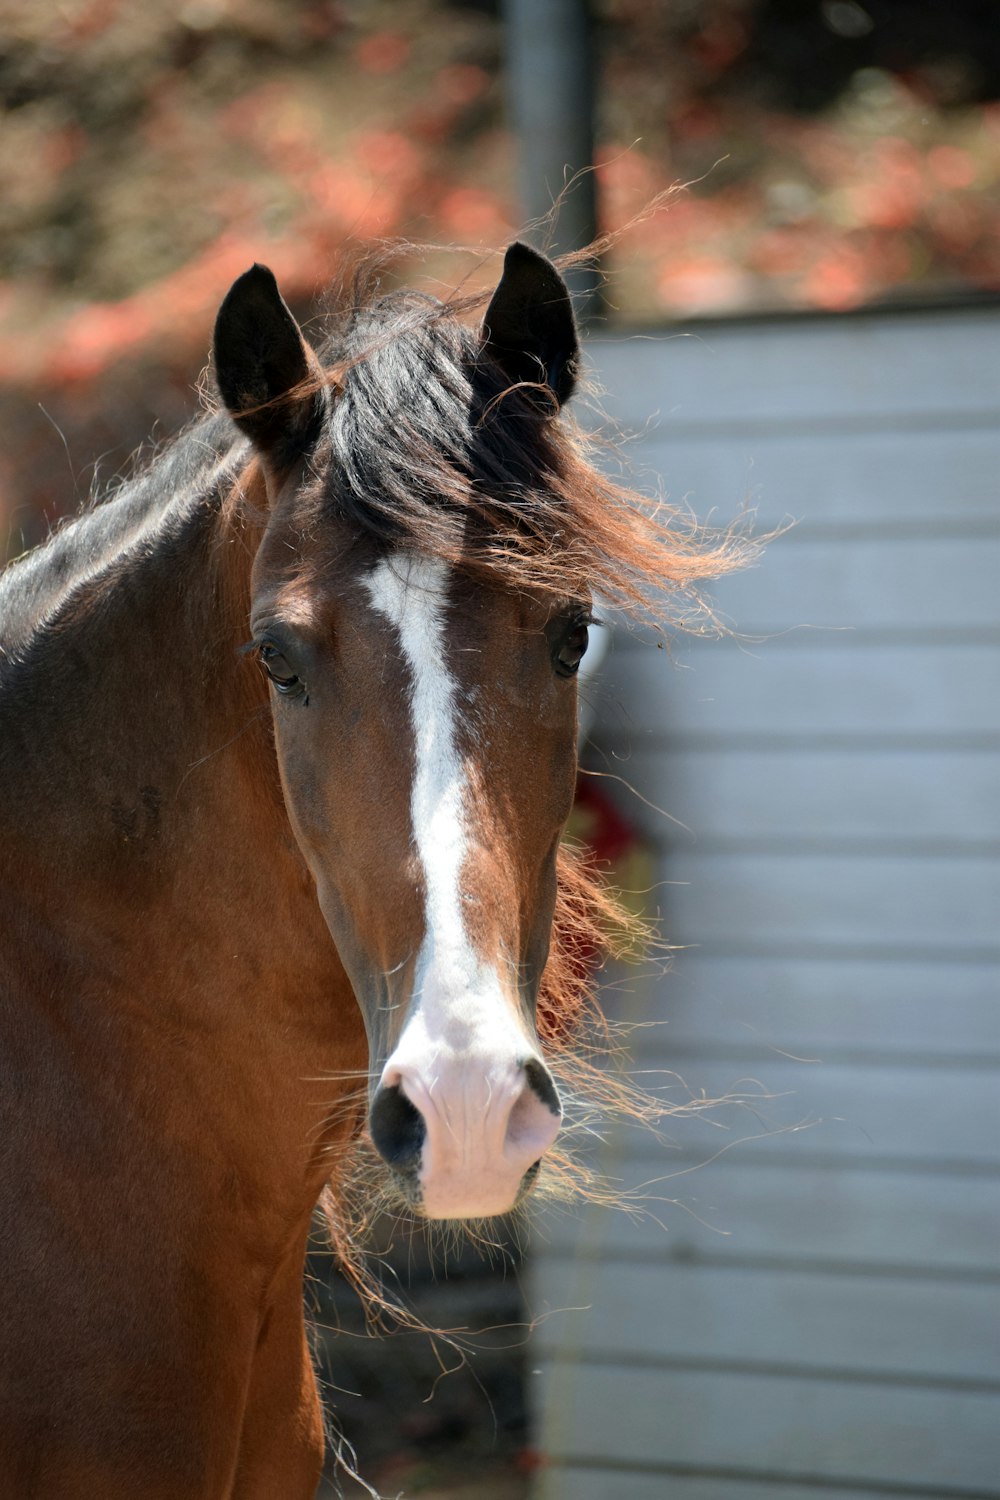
[529, 327]
[261, 357]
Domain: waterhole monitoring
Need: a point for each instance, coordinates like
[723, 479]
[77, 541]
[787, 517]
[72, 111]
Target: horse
[288, 738]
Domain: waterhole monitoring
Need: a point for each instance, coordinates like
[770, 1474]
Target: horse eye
[277, 669]
[571, 651]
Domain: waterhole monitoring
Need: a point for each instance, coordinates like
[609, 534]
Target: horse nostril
[397, 1128]
[533, 1122]
[541, 1085]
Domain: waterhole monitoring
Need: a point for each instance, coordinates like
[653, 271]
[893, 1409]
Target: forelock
[425, 430]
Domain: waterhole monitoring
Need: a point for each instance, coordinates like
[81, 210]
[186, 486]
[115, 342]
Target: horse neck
[157, 881]
[108, 633]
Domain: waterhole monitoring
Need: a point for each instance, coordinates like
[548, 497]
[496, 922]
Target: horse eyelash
[256, 645]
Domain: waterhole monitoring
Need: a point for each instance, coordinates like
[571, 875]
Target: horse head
[421, 650]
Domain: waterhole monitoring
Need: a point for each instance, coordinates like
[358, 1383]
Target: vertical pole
[551, 88]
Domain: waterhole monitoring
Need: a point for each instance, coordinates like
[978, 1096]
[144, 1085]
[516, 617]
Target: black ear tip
[259, 281]
[520, 250]
[522, 262]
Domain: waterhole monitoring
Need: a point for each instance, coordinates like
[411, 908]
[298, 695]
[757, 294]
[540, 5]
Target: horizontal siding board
[828, 1110]
[838, 1431]
[912, 583]
[832, 1216]
[823, 591]
[816, 1008]
[817, 689]
[814, 793]
[875, 483]
[566, 1482]
[739, 900]
[869, 370]
[748, 1315]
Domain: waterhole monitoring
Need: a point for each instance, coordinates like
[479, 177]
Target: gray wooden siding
[810, 1309]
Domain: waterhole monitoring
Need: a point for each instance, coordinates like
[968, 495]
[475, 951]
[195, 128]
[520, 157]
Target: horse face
[425, 725]
[425, 732]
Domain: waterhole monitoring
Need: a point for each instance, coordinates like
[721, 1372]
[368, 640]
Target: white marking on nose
[460, 1059]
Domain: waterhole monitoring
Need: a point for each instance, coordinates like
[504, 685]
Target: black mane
[426, 432]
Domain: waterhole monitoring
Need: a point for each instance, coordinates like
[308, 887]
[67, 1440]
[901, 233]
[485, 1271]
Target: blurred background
[838, 155]
[810, 326]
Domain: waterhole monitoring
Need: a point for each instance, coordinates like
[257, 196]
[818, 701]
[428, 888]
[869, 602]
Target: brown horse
[240, 877]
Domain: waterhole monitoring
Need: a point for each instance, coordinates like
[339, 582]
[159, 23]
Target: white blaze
[461, 1055]
[411, 591]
